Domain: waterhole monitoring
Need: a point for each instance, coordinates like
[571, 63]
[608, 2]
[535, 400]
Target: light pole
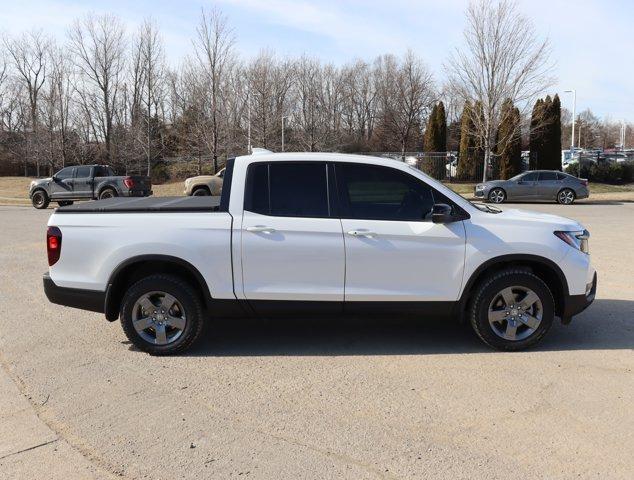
[283, 117]
[248, 120]
[572, 137]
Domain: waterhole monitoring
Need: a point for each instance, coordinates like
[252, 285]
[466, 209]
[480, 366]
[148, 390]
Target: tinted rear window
[287, 189]
[545, 176]
[82, 172]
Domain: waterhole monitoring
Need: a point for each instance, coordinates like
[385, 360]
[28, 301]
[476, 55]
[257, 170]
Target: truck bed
[145, 204]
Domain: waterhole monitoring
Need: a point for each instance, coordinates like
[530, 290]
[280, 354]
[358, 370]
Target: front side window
[82, 172]
[382, 193]
[65, 173]
[287, 189]
[529, 177]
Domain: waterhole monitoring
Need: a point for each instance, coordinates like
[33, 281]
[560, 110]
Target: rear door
[62, 184]
[292, 243]
[393, 250]
[547, 185]
[82, 183]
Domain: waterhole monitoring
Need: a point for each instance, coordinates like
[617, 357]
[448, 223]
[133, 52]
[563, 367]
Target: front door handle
[362, 233]
[260, 229]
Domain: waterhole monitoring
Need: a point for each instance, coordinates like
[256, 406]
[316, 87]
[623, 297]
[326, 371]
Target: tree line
[105, 95]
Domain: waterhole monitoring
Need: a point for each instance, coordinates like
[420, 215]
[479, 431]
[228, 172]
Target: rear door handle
[362, 233]
[260, 229]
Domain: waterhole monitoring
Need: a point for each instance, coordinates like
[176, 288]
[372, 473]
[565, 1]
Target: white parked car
[317, 234]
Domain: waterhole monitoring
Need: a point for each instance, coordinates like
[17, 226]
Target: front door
[393, 250]
[62, 183]
[525, 189]
[292, 243]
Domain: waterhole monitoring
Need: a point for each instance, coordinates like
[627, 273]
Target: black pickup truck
[86, 182]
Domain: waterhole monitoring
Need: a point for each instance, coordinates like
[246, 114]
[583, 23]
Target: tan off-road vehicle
[204, 185]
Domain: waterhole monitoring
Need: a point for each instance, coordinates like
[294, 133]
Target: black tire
[497, 195]
[184, 293]
[566, 196]
[201, 192]
[107, 193]
[40, 199]
[487, 292]
[65, 203]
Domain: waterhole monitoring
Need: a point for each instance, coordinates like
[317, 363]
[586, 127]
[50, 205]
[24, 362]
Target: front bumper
[575, 304]
[92, 300]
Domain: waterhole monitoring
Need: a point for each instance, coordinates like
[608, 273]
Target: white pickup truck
[317, 234]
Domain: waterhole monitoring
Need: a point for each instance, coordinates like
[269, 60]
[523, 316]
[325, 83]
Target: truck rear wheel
[40, 199]
[107, 193]
[512, 310]
[162, 315]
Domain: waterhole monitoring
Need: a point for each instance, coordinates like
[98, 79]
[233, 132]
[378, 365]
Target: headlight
[578, 239]
[479, 187]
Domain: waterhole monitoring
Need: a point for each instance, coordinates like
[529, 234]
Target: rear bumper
[575, 304]
[137, 193]
[92, 300]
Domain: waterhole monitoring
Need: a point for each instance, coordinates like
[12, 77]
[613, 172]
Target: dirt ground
[315, 400]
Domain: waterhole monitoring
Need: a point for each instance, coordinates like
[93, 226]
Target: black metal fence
[442, 166]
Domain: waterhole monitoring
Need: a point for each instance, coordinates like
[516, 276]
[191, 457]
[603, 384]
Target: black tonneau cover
[145, 204]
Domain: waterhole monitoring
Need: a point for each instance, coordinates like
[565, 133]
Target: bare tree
[148, 75]
[502, 59]
[30, 54]
[214, 45]
[407, 91]
[97, 45]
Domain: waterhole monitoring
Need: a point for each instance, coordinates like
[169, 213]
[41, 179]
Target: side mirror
[54, 178]
[441, 213]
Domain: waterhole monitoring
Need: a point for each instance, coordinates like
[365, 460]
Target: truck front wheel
[162, 315]
[40, 199]
[512, 310]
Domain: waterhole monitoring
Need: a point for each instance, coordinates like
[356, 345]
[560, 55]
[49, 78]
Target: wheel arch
[39, 189]
[135, 268]
[544, 268]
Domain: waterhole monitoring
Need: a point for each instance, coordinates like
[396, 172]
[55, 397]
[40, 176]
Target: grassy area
[171, 189]
[466, 189]
[14, 190]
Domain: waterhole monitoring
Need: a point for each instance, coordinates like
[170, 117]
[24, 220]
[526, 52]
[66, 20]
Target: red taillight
[584, 182]
[53, 244]
[128, 182]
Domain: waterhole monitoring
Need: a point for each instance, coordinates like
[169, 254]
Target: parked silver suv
[535, 185]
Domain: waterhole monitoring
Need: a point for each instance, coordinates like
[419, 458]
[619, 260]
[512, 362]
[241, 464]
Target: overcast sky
[592, 43]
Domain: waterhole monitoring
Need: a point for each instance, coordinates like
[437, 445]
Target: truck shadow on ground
[606, 325]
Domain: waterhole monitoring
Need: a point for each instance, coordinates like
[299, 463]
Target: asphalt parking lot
[315, 400]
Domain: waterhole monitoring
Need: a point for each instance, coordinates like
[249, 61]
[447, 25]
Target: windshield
[516, 177]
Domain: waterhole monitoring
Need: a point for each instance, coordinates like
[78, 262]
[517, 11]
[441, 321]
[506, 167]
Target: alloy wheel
[159, 318]
[566, 197]
[515, 313]
[496, 195]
